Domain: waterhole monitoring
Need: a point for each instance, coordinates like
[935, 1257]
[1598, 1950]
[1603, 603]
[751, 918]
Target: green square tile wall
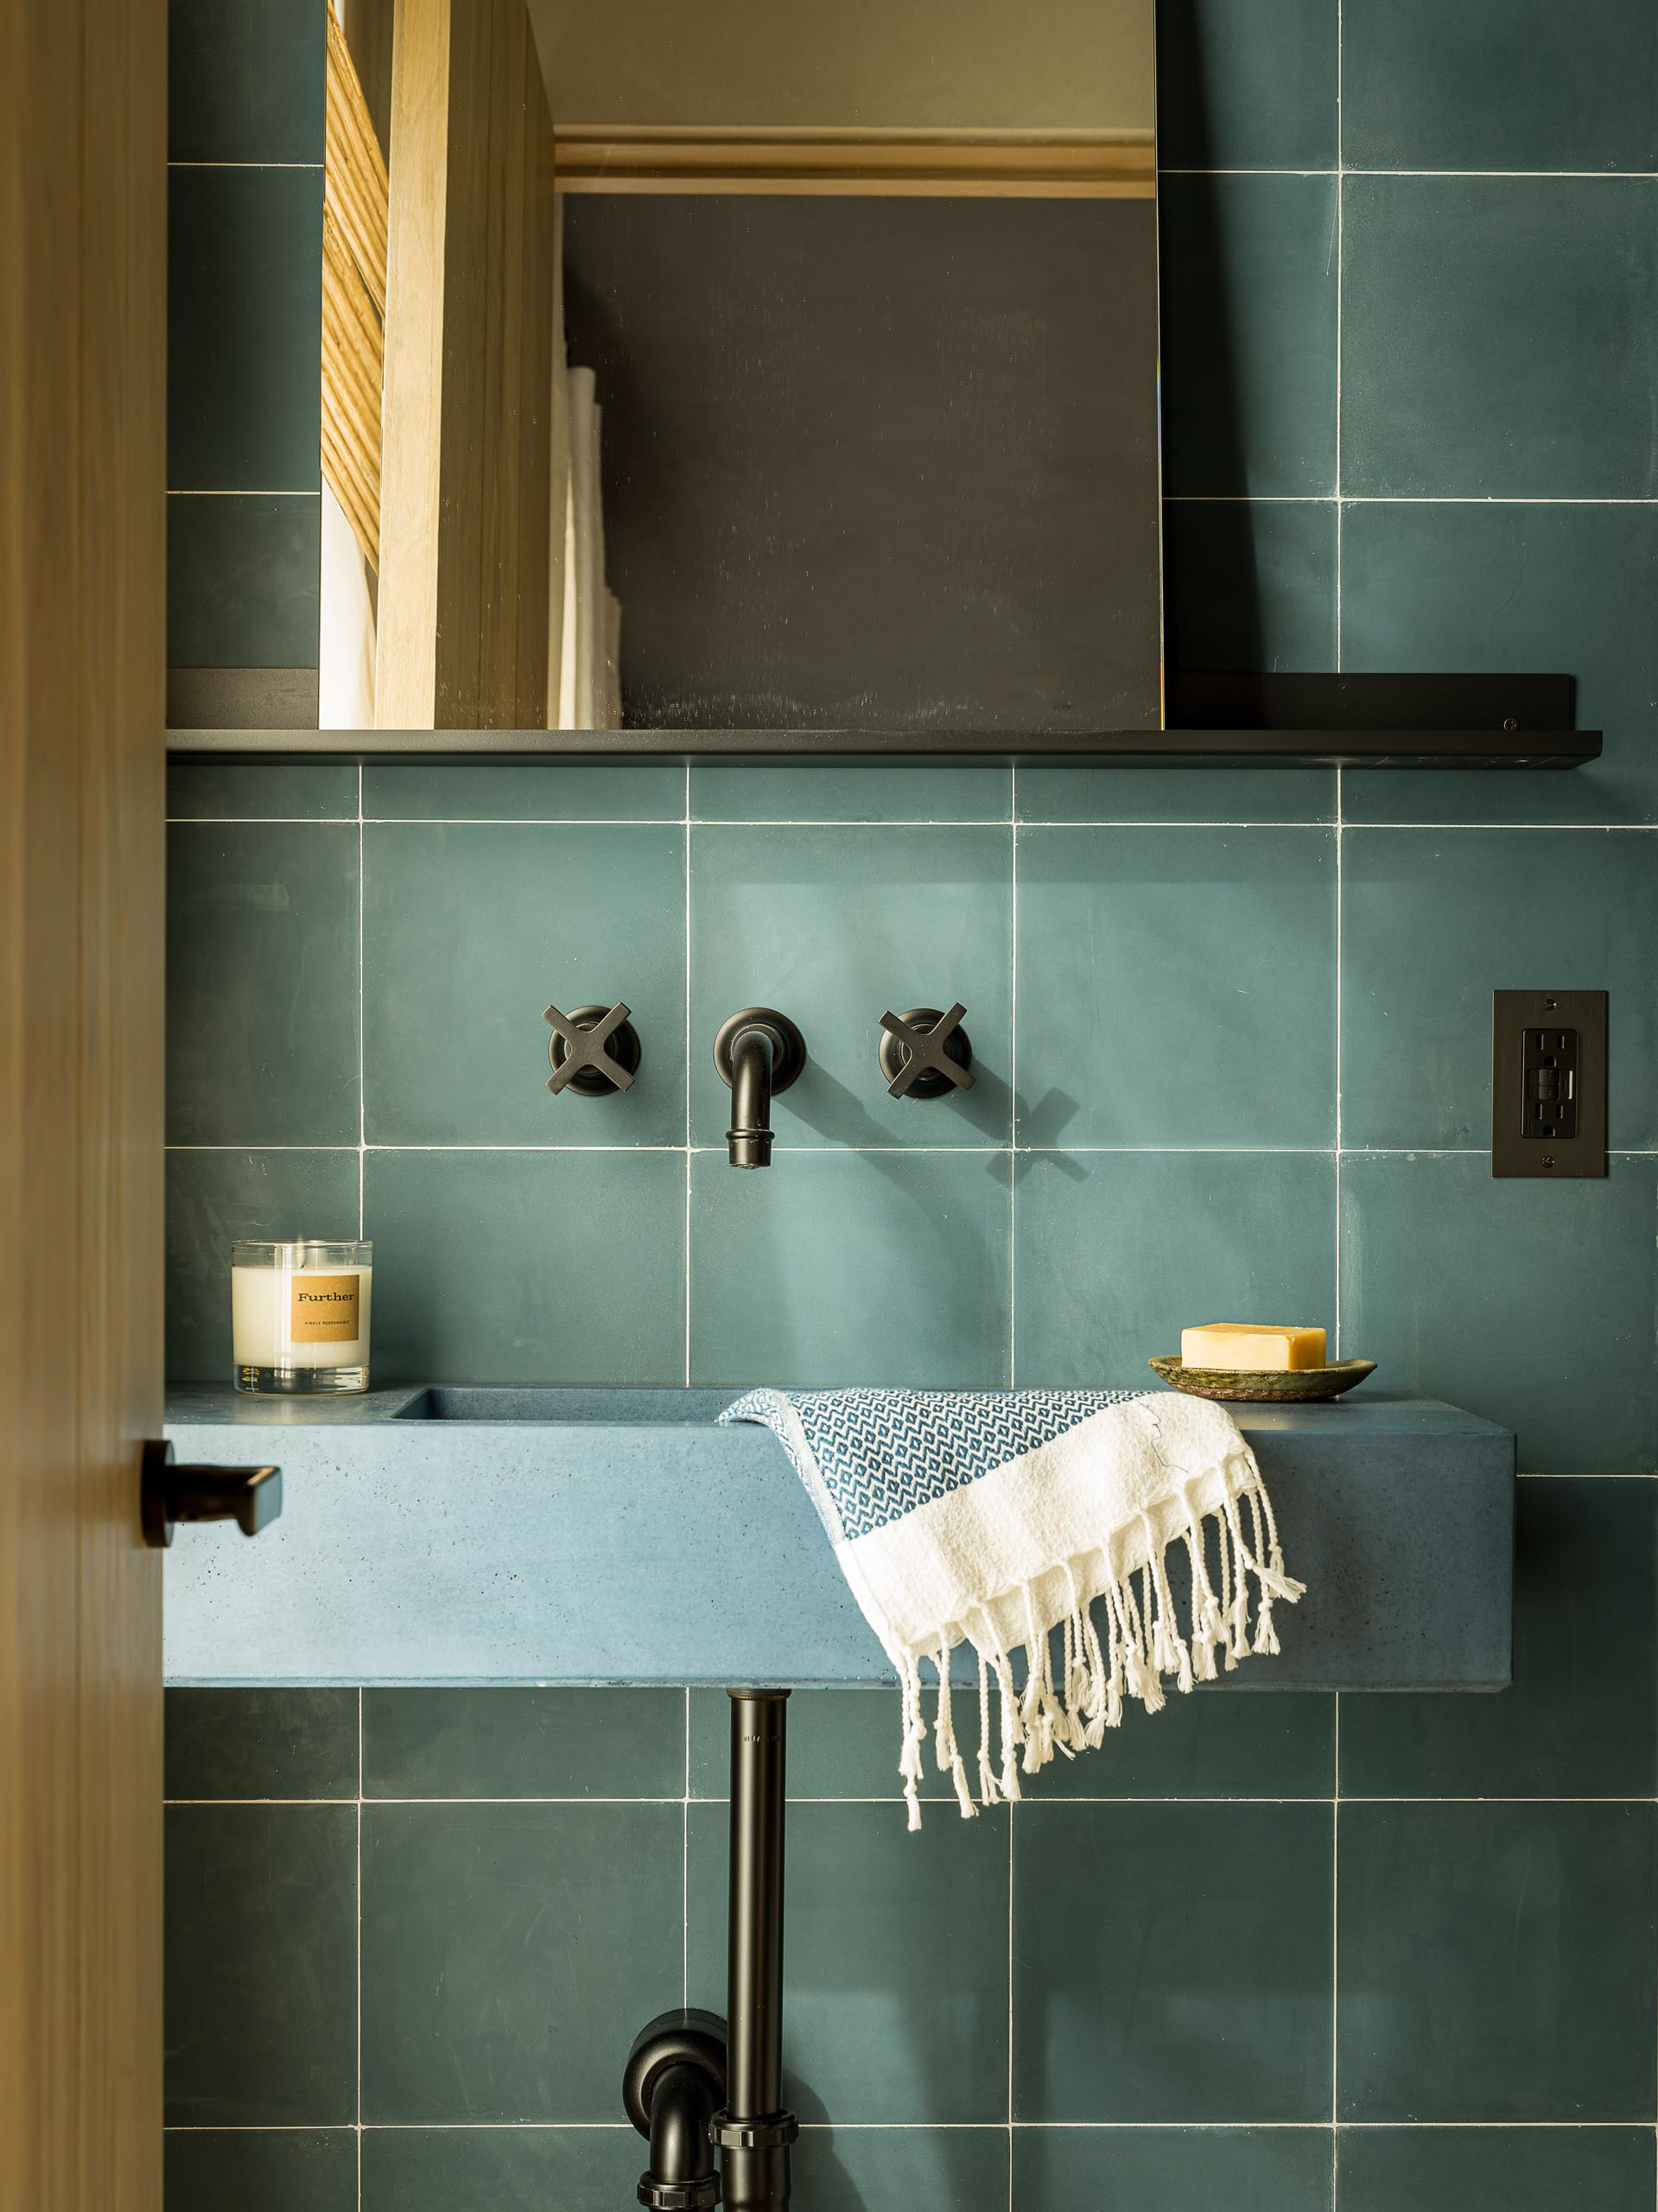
[246, 84]
[1292, 1954]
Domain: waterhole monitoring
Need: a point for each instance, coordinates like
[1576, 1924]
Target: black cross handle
[594, 1049]
[924, 1053]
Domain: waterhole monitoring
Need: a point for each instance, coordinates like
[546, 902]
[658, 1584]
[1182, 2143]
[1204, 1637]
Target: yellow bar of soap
[1255, 1345]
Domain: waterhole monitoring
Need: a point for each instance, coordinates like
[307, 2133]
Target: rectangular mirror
[698, 365]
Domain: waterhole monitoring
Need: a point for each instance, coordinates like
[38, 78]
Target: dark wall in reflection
[875, 463]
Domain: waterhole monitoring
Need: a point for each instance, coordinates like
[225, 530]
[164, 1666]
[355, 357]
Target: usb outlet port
[1549, 1106]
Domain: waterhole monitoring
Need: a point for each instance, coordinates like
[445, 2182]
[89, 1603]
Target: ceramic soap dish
[1295, 1386]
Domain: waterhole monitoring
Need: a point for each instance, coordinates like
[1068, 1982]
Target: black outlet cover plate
[1554, 1158]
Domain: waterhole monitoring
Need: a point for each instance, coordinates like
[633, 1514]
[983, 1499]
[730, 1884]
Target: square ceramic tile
[902, 2170]
[262, 2170]
[1521, 2169]
[523, 1742]
[1246, 2168]
[479, 791]
[1246, 83]
[507, 2169]
[1480, 1977]
[511, 1953]
[1115, 1253]
[1586, 1616]
[262, 791]
[835, 927]
[470, 930]
[837, 1267]
[1530, 1303]
[1248, 583]
[895, 1967]
[1498, 336]
[1434, 921]
[842, 1743]
[779, 793]
[1493, 86]
[1214, 1743]
[214, 1197]
[528, 1267]
[1171, 1962]
[242, 579]
[1177, 987]
[1249, 334]
[262, 983]
[1561, 588]
[261, 1999]
[243, 329]
[261, 1744]
[246, 82]
[1114, 797]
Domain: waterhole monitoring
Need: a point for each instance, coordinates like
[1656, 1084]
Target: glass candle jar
[299, 1316]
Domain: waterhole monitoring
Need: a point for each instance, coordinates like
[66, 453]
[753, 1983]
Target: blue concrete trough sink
[451, 1534]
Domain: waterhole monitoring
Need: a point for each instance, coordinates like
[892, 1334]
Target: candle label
[322, 1309]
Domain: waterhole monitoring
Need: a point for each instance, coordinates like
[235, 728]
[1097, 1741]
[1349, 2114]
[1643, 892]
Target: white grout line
[929, 1795]
[1339, 644]
[829, 1151]
[1029, 822]
[685, 1867]
[360, 1950]
[1590, 176]
[1404, 498]
[1011, 1809]
[1335, 1958]
[621, 2127]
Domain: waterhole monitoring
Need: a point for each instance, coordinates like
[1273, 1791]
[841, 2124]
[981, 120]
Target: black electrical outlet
[1548, 1083]
[1549, 1108]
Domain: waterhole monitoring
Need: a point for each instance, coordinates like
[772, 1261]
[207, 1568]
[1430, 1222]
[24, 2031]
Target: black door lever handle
[251, 1497]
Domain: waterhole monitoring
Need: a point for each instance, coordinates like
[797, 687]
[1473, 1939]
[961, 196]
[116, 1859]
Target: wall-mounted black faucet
[759, 1052]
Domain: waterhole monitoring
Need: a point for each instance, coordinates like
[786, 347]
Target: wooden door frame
[82, 96]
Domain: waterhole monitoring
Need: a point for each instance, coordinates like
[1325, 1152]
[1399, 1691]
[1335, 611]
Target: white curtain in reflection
[345, 630]
[584, 688]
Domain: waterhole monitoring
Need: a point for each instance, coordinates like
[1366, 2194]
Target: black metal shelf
[1291, 720]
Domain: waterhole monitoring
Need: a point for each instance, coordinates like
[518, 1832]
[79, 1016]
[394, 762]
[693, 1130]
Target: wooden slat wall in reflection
[353, 299]
[464, 511]
[954, 164]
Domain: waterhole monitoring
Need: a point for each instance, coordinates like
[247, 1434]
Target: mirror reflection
[709, 366]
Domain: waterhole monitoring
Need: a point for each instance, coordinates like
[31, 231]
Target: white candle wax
[296, 1317]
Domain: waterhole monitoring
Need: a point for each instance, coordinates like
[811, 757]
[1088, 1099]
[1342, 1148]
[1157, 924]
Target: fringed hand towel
[995, 1518]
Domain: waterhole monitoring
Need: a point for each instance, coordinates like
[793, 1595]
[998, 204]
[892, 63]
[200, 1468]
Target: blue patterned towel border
[1000, 1518]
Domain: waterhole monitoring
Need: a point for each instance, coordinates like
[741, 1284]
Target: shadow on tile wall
[1237, 1059]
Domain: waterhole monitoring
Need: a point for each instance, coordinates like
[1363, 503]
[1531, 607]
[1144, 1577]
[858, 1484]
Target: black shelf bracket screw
[923, 1053]
[594, 1049]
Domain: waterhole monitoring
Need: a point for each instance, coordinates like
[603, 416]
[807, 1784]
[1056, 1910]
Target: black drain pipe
[675, 2077]
[685, 2063]
[756, 2129]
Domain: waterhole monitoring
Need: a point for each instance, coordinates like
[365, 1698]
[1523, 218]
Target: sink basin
[453, 1533]
[625, 1408]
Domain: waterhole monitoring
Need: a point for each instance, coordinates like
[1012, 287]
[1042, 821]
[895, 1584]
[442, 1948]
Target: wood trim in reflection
[955, 164]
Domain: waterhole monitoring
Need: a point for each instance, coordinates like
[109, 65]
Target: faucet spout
[757, 1053]
[748, 1141]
